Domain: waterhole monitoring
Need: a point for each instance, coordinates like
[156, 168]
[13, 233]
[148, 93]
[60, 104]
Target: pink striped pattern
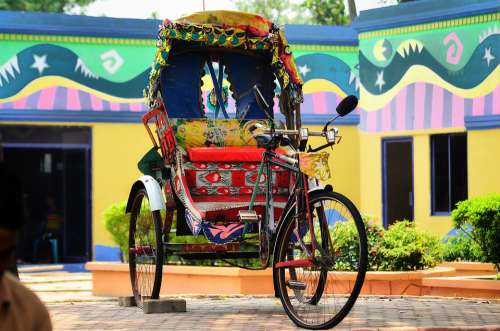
[478, 107]
[457, 111]
[136, 106]
[47, 97]
[420, 101]
[419, 106]
[496, 101]
[20, 104]
[371, 121]
[437, 107]
[73, 100]
[96, 103]
[386, 117]
[400, 109]
[339, 98]
[114, 106]
[319, 103]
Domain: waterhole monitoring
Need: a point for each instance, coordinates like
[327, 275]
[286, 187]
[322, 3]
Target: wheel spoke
[146, 252]
[308, 293]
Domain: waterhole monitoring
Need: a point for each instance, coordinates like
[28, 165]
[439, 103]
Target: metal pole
[203, 5]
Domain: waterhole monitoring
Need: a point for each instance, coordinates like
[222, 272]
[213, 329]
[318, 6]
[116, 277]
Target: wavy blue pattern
[50, 60]
[471, 75]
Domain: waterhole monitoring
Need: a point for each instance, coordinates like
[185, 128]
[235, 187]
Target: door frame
[386, 141]
[87, 149]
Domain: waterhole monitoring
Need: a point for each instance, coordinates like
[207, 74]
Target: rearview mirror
[347, 105]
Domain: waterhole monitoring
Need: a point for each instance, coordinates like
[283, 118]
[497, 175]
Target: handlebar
[332, 135]
[294, 132]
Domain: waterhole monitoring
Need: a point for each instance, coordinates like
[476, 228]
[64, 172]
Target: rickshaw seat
[222, 164]
[226, 154]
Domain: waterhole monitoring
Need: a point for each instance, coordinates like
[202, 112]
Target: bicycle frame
[269, 159]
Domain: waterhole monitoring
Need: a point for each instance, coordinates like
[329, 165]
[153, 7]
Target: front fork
[301, 198]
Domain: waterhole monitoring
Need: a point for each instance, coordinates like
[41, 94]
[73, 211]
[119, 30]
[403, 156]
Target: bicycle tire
[285, 242]
[145, 278]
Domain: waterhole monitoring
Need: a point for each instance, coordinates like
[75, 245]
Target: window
[449, 171]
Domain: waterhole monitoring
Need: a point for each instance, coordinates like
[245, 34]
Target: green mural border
[431, 26]
[331, 48]
[77, 39]
[143, 42]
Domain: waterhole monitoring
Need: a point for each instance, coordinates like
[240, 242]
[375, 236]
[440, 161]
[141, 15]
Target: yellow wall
[116, 149]
[371, 176]
[483, 147]
[344, 161]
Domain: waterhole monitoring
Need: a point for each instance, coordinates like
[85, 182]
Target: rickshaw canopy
[253, 51]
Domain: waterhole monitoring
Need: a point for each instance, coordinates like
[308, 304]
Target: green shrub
[117, 224]
[403, 247]
[346, 245]
[461, 247]
[483, 214]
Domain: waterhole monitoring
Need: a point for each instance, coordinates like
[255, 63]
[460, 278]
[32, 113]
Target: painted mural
[76, 74]
[431, 75]
[104, 74]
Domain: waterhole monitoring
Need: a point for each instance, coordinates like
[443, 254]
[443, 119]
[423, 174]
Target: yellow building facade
[426, 132]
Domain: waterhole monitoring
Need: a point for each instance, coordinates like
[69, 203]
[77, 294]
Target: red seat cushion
[226, 154]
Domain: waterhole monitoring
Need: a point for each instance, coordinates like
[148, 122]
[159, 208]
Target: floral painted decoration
[315, 165]
[215, 132]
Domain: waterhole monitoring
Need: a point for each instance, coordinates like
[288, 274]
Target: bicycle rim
[314, 297]
[145, 250]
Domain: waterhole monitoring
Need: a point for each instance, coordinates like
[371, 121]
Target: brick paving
[72, 307]
[264, 313]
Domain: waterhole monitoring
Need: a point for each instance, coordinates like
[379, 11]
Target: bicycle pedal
[296, 285]
[248, 216]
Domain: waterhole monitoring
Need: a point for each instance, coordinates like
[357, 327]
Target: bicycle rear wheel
[145, 249]
[310, 293]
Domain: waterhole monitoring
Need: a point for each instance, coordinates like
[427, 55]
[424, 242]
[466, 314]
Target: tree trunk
[352, 9]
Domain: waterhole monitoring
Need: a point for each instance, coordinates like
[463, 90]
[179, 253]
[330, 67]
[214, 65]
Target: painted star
[380, 80]
[488, 56]
[304, 70]
[40, 63]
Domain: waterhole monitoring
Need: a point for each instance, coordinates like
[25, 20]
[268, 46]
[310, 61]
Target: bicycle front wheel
[145, 249]
[311, 294]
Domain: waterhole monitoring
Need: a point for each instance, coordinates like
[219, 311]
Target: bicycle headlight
[304, 134]
[330, 135]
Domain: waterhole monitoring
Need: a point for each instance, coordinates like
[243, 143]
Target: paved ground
[251, 313]
[72, 307]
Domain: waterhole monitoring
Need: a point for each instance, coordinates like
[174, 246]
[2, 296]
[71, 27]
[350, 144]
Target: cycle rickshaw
[240, 176]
